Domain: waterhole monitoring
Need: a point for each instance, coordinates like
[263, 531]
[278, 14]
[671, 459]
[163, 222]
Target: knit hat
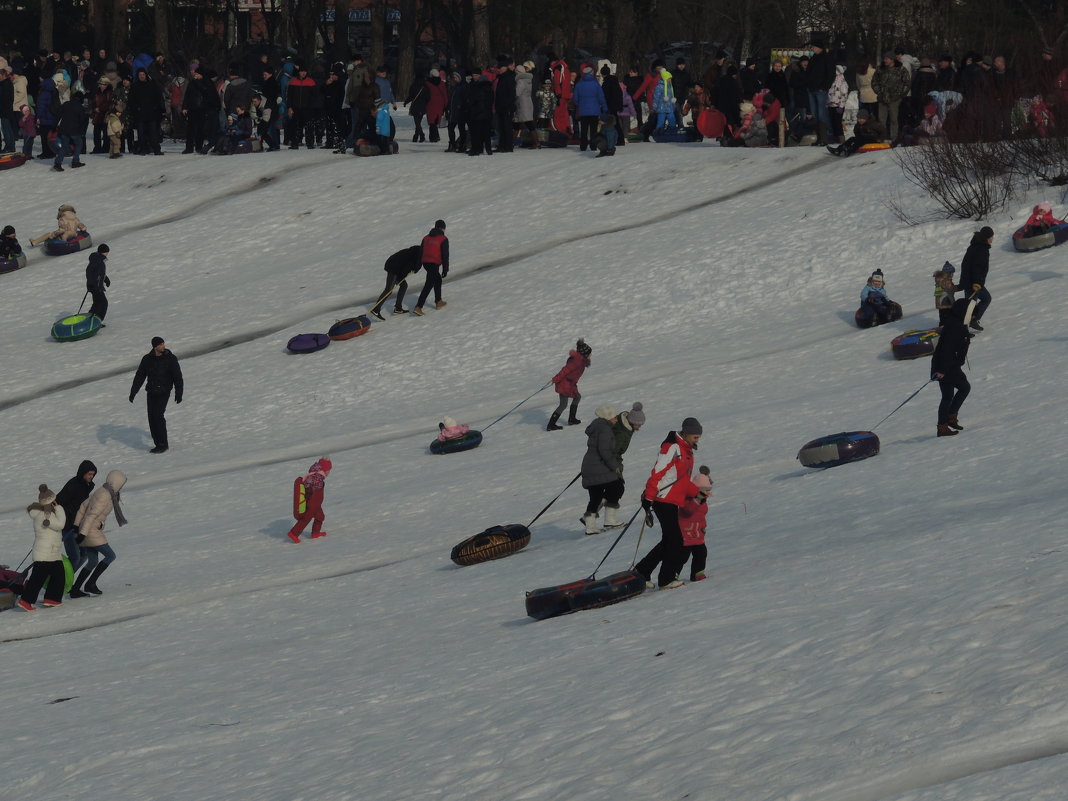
[8, 230]
[103, 248]
[67, 207]
[985, 232]
[434, 73]
[691, 426]
[102, 80]
[636, 416]
[877, 276]
[582, 348]
[863, 114]
[45, 495]
[1042, 208]
[157, 341]
[529, 65]
[747, 108]
[448, 421]
[948, 268]
[606, 412]
[587, 70]
[703, 482]
[322, 465]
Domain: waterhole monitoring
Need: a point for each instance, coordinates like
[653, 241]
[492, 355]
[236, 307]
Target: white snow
[889, 630]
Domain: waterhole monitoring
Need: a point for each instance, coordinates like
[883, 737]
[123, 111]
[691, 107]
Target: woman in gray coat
[602, 471]
[524, 102]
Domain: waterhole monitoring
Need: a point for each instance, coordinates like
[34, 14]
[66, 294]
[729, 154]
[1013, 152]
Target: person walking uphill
[314, 484]
[435, 260]
[668, 488]
[49, 520]
[160, 372]
[92, 515]
[398, 267]
[973, 269]
[96, 281]
[949, 355]
[71, 498]
[602, 472]
[567, 384]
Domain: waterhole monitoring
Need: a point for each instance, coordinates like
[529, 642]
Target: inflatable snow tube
[7, 599]
[10, 161]
[683, 135]
[472, 439]
[1056, 235]
[349, 327]
[865, 315]
[871, 147]
[836, 449]
[495, 542]
[12, 264]
[61, 247]
[75, 327]
[585, 594]
[308, 343]
[914, 343]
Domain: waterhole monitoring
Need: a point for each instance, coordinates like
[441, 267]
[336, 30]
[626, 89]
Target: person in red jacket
[667, 490]
[435, 260]
[567, 384]
[314, 484]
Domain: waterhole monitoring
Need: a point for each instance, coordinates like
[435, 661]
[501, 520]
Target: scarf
[120, 518]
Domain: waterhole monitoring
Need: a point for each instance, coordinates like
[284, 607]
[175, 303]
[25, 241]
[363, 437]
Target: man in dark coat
[398, 267]
[504, 103]
[159, 371]
[613, 99]
[949, 355]
[819, 77]
[71, 132]
[458, 113]
[479, 113]
[195, 107]
[71, 497]
[973, 269]
[96, 279]
[681, 82]
[146, 109]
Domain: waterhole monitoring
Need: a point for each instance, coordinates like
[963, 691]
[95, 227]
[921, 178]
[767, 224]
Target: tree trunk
[163, 33]
[480, 31]
[406, 47]
[48, 22]
[377, 56]
[307, 18]
[621, 37]
[98, 21]
[120, 29]
[341, 31]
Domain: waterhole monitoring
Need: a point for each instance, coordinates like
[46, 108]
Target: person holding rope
[667, 490]
[398, 267]
[949, 355]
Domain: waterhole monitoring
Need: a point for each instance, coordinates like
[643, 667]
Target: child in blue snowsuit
[873, 296]
[383, 127]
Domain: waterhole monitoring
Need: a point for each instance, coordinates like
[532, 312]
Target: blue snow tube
[914, 343]
[61, 247]
[349, 327]
[586, 593]
[472, 439]
[75, 327]
[836, 449]
[308, 343]
[12, 264]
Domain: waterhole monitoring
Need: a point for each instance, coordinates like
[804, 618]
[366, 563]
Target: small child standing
[566, 382]
[943, 291]
[314, 483]
[28, 127]
[693, 521]
[113, 121]
[9, 243]
[607, 136]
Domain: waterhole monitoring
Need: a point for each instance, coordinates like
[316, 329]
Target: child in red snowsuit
[567, 384]
[693, 519]
[1041, 219]
[314, 483]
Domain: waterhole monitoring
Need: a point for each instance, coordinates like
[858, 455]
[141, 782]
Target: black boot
[90, 585]
[572, 420]
[76, 588]
[552, 423]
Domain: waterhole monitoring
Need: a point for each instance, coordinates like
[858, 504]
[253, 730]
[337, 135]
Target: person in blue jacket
[383, 127]
[590, 104]
[873, 298]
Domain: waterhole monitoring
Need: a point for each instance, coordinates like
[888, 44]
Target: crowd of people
[131, 101]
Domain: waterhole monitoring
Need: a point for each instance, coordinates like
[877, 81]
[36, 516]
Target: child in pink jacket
[693, 520]
[314, 483]
[28, 127]
[567, 384]
[450, 429]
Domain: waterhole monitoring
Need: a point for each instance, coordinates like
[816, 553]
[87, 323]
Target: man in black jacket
[398, 267]
[949, 355]
[973, 269]
[819, 77]
[504, 103]
[71, 132]
[160, 369]
[71, 497]
[96, 279]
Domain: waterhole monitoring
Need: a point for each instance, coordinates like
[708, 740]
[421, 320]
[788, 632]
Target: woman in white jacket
[92, 515]
[48, 521]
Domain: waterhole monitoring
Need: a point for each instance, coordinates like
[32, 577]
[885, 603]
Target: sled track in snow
[213, 346]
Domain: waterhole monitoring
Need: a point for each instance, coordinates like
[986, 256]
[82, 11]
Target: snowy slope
[891, 629]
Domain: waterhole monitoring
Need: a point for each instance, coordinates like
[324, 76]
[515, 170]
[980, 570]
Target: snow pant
[194, 131]
[46, 149]
[955, 388]
[669, 553]
[100, 138]
[385, 145]
[52, 572]
[65, 143]
[115, 144]
[27, 146]
[91, 553]
[402, 287]
[99, 306]
[313, 513]
[698, 554]
[457, 135]
[354, 127]
[157, 422]
[71, 547]
[563, 405]
[418, 136]
[7, 134]
[983, 298]
[505, 139]
[433, 281]
[148, 139]
[432, 130]
[610, 493]
[888, 114]
[587, 128]
[479, 132]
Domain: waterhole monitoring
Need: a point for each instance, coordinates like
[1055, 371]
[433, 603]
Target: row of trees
[626, 31]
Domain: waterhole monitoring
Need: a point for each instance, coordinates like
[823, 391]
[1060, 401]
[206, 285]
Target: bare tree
[377, 56]
[162, 27]
[409, 33]
[480, 31]
[48, 23]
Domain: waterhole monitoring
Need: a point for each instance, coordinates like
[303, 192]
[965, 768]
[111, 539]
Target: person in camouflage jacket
[891, 84]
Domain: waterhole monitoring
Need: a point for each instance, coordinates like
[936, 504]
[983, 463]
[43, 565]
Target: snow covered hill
[890, 630]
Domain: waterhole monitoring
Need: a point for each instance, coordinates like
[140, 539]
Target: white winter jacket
[48, 522]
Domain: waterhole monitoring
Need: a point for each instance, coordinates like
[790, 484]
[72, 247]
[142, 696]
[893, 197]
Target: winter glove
[649, 521]
[131, 397]
[445, 272]
[107, 281]
[177, 398]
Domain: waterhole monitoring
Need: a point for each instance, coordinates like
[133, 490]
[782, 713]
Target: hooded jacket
[975, 265]
[567, 379]
[600, 465]
[589, 97]
[951, 351]
[75, 491]
[669, 481]
[405, 262]
[96, 274]
[94, 511]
